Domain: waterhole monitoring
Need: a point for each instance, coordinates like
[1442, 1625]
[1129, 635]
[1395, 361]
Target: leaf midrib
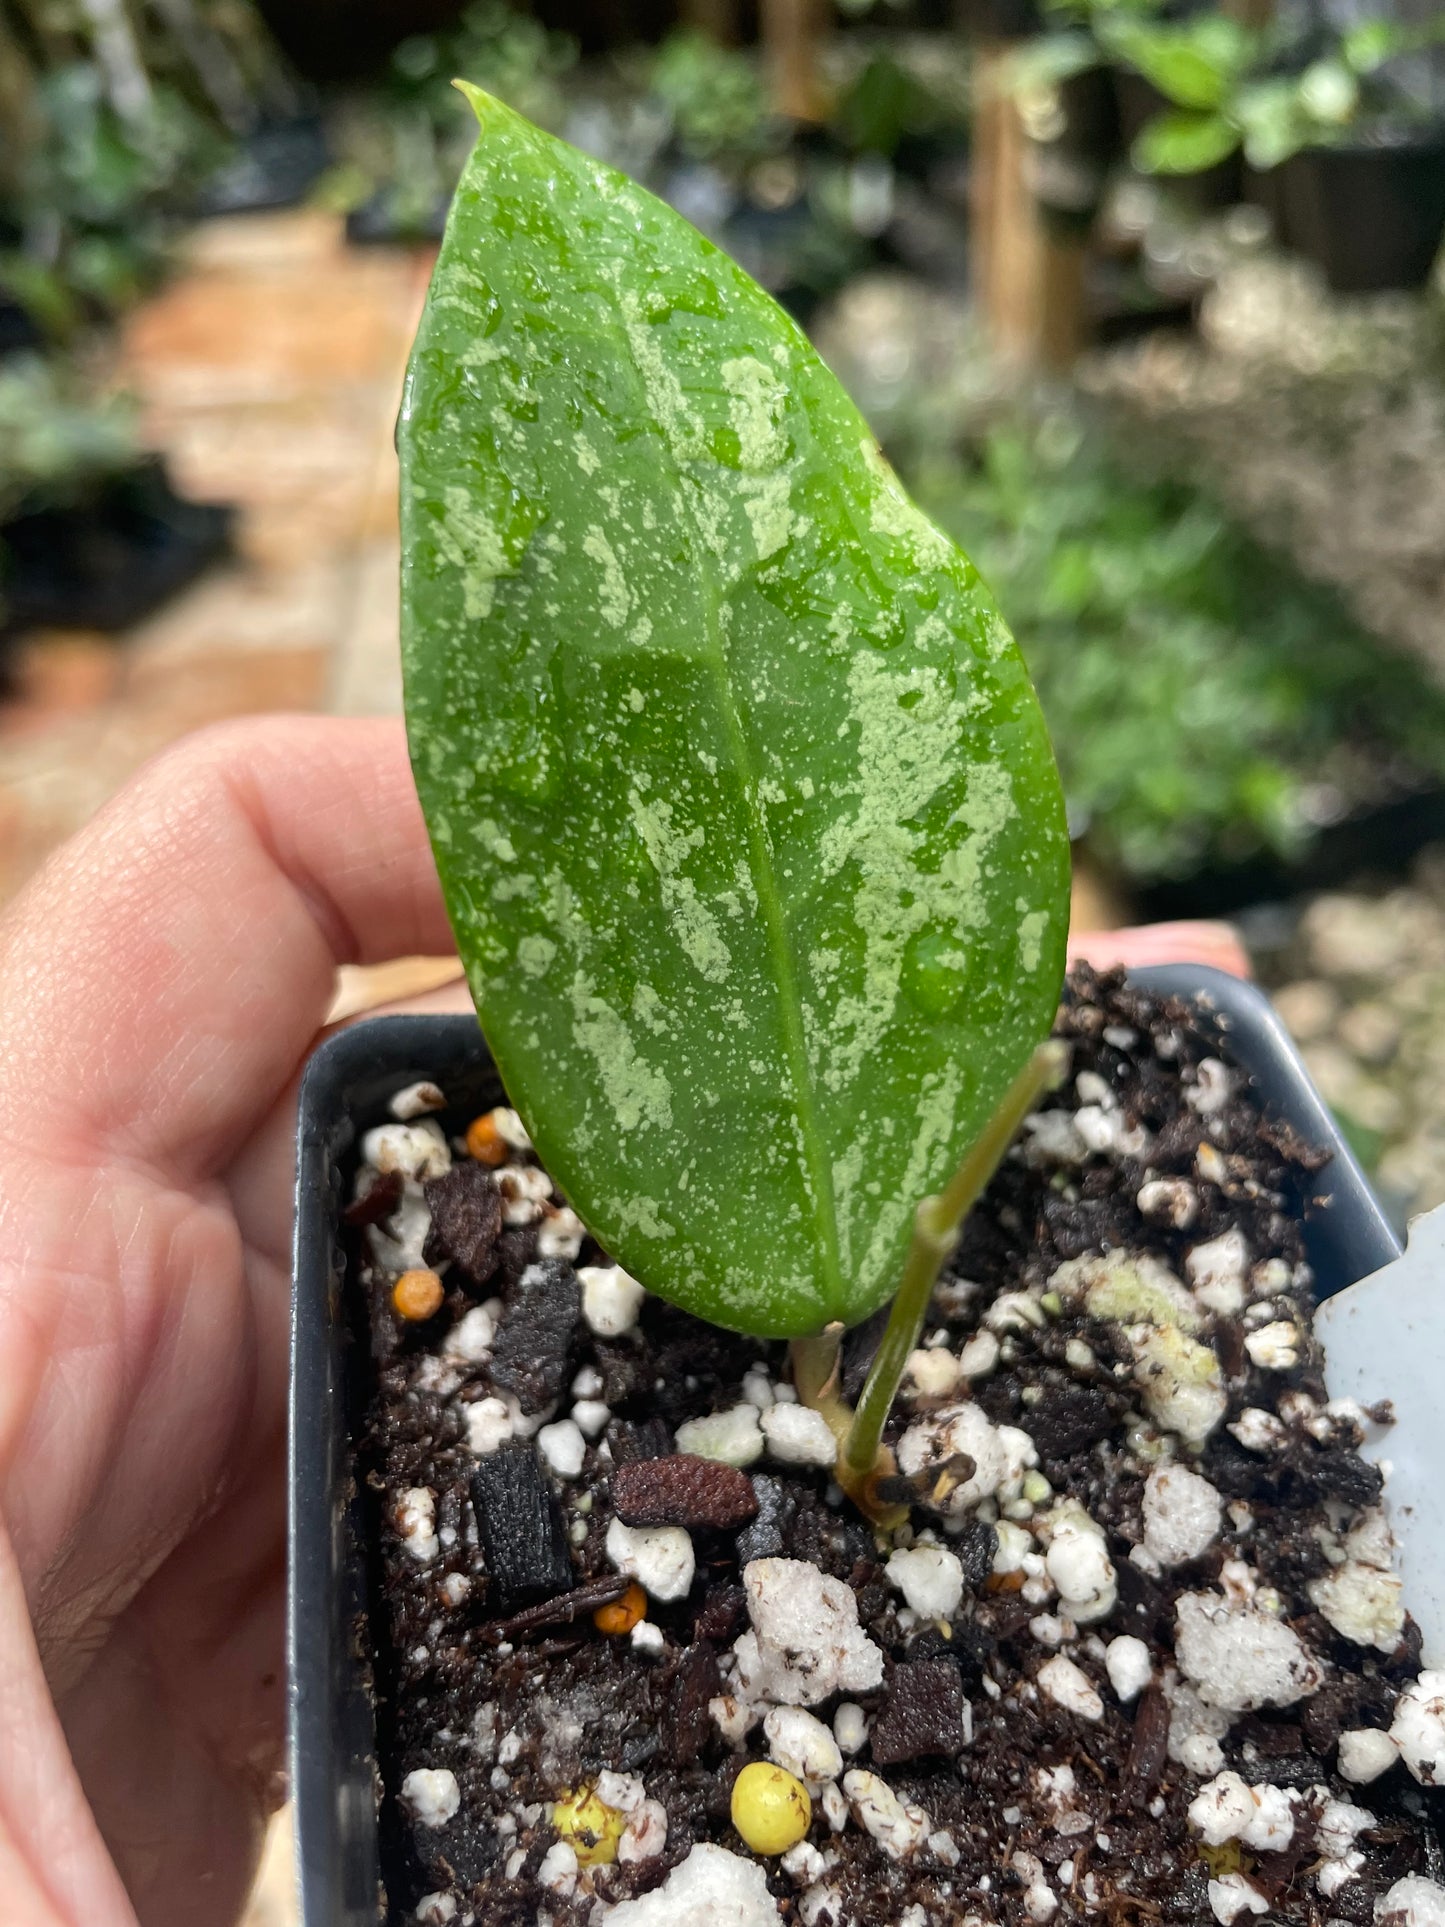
[818, 1166]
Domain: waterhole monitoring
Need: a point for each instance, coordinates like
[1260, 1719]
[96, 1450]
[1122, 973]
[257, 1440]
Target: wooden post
[792, 34]
[1028, 282]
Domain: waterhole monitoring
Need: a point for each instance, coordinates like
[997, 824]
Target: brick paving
[269, 371]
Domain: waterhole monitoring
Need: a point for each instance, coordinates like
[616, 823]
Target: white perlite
[1275, 1347]
[802, 1746]
[1212, 1089]
[1366, 1753]
[1418, 1728]
[432, 1794]
[930, 1579]
[1001, 1455]
[1261, 1817]
[805, 1643]
[979, 1356]
[930, 1373]
[850, 1727]
[1171, 1201]
[590, 1416]
[1412, 1902]
[563, 1447]
[797, 1435]
[558, 1871]
[733, 1437]
[416, 1521]
[1231, 1895]
[1195, 1730]
[1361, 1598]
[734, 1718]
[1079, 1565]
[435, 1910]
[1258, 1430]
[419, 1150]
[1239, 1657]
[711, 1888]
[1129, 1666]
[1179, 1381]
[1362, 1603]
[645, 1835]
[1182, 1514]
[490, 1422]
[659, 1558]
[611, 1299]
[416, 1100]
[1069, 1686]
[525, 1190]
[898, 1828]
[1219, 1272]
[472, 1337]
[560, 1234]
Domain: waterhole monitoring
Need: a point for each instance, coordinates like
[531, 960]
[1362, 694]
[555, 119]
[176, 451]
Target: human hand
[161, 982]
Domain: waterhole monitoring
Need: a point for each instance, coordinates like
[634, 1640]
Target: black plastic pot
[334, 1780]
[1370, 214]
[105, 562]
[276, 165]
[17, 328]
[376, 223]
[1381, 838]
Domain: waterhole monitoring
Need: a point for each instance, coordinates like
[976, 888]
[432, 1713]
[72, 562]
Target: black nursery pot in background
[1370, 214]
[106, 560]
[334, 1775]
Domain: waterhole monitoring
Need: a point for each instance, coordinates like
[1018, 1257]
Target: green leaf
[742, 802]
[1183, 143]
[1193, 64]
[1368, 46]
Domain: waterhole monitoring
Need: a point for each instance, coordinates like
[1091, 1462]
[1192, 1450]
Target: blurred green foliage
[96, 194]
[1225, 86]
[404, 145]
[1206, 701]
[714, 97]
[111, 121]
[55, 436]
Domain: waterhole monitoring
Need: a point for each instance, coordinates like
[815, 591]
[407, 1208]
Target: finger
[54, 1870]
[1162, 943]
[172, 963]
[177, 1726]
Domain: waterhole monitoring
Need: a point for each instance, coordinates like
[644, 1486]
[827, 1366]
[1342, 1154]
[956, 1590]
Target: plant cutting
[753, 845]
[779, 856]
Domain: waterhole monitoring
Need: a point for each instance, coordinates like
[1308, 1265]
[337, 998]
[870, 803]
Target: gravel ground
[1359, 978]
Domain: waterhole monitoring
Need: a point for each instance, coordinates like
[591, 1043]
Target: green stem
[936, 1226]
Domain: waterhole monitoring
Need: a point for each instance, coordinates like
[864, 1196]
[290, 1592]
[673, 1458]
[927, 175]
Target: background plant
[113, 120]
[1227, 86]
[1205, 700]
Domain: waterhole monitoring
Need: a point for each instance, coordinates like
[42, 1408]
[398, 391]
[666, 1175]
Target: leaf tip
[480, 101]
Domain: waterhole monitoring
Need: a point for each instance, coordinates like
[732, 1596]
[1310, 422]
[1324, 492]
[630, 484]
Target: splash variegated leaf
[742, 802]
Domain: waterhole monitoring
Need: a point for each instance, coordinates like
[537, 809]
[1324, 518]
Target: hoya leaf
[743, 806]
